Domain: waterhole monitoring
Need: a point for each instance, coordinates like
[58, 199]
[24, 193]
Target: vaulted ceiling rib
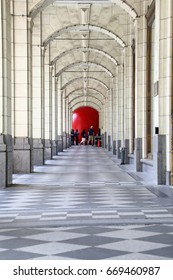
[85, 40]
[88, 78]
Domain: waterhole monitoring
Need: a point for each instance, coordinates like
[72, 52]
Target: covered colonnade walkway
[113, 57]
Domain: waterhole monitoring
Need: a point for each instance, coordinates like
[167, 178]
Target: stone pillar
[110, 117]
[114, 101]
[109, 143]
[106, 120]
[48, 106]
[119, 110]
[165, 92]
[64, 119]
[128, 115]
[59, 138]
[22, 109]
[37, 92]
[138, 154]
[159, 158]
[140, 91]
[54, 114]
[126, 145]
[67, 123]
[6, 159]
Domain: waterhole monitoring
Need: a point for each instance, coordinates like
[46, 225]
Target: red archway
[84, 117]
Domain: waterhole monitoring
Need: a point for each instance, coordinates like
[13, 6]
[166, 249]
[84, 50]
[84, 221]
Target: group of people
[87, 138]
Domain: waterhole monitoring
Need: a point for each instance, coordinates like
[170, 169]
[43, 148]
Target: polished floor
[84, 205]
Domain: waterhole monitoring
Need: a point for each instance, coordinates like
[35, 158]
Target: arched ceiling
[85, 41]
[90, 91]
[88, 79]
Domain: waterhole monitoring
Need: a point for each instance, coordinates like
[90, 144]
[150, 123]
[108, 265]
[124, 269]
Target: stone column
[140, 91]
[64, 133]
[128, 127]
[47, 106]
[22, 125]
[60, 142]
[114, 101]
[54, 113]
[5, 96]
[106, 121]
[37, 92]
[163, 157]
[67, 123]
[120, 109]
[109, 121]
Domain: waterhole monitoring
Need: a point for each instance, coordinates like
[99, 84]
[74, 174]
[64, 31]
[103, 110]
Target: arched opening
[83, 118]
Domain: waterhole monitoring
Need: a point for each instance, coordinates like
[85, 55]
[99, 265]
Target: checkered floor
[85, 211]
[88, 242]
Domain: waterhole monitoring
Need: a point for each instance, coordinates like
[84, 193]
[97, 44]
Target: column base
[126, 142]
[54, 148]
[6, 160]
[47, 150]
[22, 155]
[169, 178]
[105, 140]
[60, 143]
[38, 152]
[109, 143]
[138, 154]
[64, 139]
[159, 159]
[114, 147]
[68, 141]
[118, 152]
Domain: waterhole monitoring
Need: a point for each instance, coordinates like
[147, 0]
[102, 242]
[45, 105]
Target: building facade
[114, 56]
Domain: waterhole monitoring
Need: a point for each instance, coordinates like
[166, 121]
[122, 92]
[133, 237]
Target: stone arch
[42, 4]
[92, 96]
[84, 65]
[84, 28]
[88, 88]
[88, 78]
[85, 50]
[95, 105]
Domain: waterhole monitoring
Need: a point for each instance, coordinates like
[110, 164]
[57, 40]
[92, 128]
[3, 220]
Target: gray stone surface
[138, 154]
[64, 139]
[118, 145]
[54, 148]
[22, 160]
[60, 143]
[109, 143]
[47, 149]
[159, 158]
[126, 142]
[114, 147]
[37, 152]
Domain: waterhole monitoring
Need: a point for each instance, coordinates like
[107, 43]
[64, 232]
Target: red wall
[84, 117]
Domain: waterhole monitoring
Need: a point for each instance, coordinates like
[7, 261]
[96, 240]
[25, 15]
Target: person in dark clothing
[91, 136]
[72, 137]
[76, 134]
[83, 134]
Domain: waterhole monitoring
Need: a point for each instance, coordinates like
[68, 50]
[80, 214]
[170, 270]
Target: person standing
[76, 134]
[91, 135]
[83, 137]
[72, 137]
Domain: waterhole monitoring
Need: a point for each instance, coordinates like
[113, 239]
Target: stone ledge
[2, 144]
[131, 156]
[22, 143]
[147, 161]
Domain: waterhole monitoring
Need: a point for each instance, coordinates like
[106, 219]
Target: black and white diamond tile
[90, 209]
[88, 242]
